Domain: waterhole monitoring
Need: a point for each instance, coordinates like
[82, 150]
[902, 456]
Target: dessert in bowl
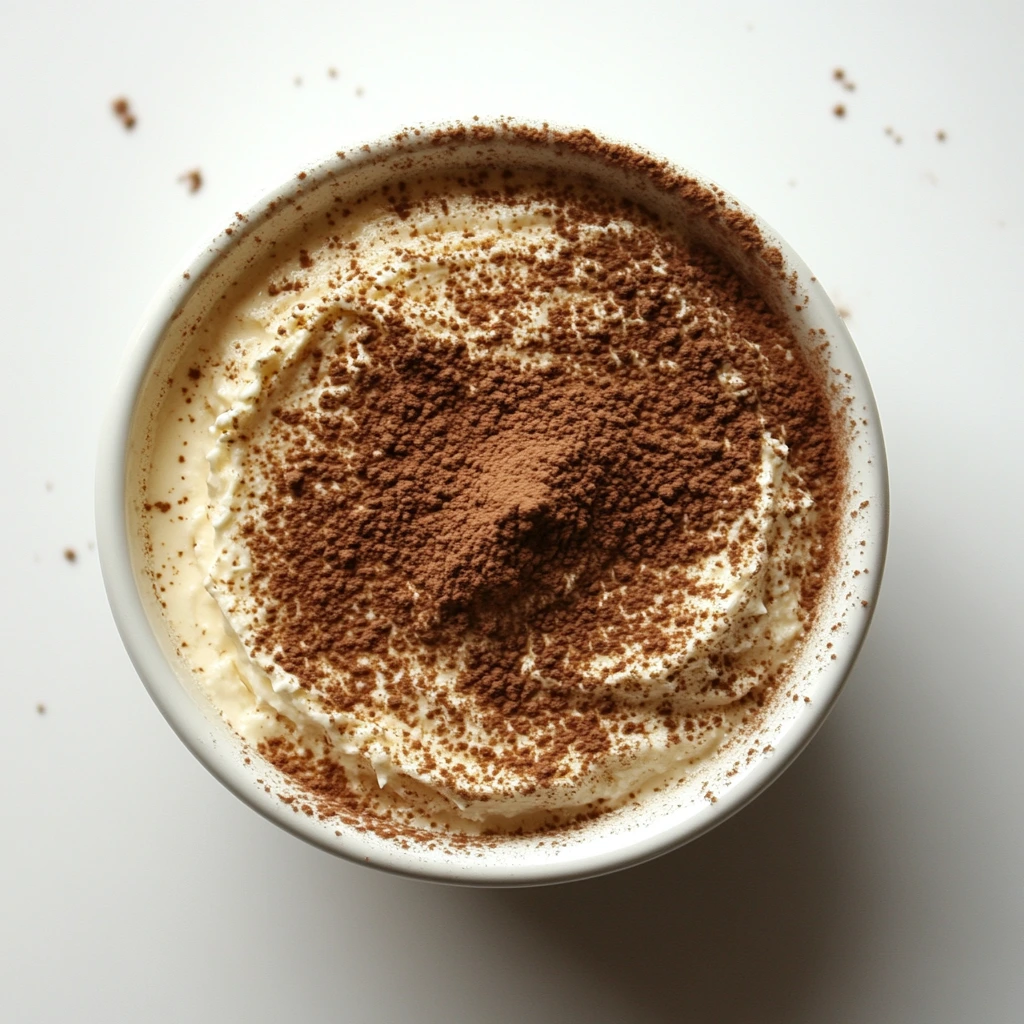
[494, 504]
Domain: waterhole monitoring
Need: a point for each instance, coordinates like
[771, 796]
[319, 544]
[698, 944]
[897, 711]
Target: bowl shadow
[744, 924]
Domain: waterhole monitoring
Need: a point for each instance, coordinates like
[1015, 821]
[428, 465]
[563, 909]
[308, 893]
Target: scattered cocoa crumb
[124, 113]
[839, 110]
[40, 708]
[891, 132]
[71, 554]
[940, 135]
[193, 178]
[840, 76]
[332, 72]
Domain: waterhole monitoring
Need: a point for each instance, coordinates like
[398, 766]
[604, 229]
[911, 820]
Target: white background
[882, 879]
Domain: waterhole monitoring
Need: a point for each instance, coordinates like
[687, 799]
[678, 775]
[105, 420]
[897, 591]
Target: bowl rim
[186, 716]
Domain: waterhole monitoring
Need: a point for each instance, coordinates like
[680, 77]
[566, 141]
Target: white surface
[881, 878]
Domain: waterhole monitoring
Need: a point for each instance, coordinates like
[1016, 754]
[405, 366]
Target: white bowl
[616, 840]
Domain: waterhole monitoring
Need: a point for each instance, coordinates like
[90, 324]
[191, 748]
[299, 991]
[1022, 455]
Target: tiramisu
[487, 499]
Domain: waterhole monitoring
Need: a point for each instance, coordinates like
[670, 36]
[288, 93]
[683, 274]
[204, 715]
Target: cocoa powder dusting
[447, 507]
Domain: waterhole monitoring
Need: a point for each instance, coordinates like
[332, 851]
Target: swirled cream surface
[486, 501]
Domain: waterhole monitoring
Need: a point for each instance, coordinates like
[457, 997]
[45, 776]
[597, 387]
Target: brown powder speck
[40, 709]
[123, 112]
[839, 110]
[840, 76]
[193, 178]
[70, 554]
[940, 135]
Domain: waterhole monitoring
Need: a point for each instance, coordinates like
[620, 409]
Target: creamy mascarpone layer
[255, 348]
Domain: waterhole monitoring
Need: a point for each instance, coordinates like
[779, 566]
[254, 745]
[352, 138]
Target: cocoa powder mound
[454, 505]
